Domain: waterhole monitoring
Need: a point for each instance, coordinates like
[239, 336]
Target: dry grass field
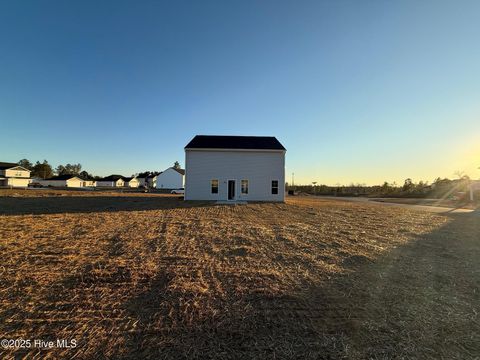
[134, 276]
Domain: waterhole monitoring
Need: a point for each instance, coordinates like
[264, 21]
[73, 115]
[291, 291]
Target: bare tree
[460, 174]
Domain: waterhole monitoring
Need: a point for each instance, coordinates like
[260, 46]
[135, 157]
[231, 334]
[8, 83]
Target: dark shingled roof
[235, 142]
[180, 171]
[112, 178]
[151, 176]
[7, 165]
[63, 177]
[128, 179]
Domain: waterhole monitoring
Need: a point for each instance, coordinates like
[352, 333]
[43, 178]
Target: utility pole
[314, 188]
[293, 182]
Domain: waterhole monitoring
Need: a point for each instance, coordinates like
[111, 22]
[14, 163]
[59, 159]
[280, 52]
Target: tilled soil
[148, 276]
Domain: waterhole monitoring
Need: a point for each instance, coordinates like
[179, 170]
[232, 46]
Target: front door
[231, 189]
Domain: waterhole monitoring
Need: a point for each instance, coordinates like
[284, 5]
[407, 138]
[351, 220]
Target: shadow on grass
[91, 204]
[419, 300]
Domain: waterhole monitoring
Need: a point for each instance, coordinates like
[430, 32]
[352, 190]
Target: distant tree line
[440, 188]
[39, 169]
[44, 170]
[148, 173]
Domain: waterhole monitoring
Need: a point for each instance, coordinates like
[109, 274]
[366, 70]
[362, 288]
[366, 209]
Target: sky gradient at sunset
[357, 91]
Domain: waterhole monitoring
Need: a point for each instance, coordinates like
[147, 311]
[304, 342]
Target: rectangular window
[245, 187]
[214, 184]
[274, 187]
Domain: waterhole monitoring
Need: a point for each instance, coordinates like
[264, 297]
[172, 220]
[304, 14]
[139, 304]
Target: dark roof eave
[231, 148]
[235, 142]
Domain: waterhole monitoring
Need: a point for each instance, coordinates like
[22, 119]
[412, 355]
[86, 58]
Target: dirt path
[428, 208]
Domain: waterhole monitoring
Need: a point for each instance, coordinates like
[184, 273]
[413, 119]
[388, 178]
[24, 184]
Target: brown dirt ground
[457, 204]
[149, 276]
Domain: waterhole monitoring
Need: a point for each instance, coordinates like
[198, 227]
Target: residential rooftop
[235, 142]
[7, 165]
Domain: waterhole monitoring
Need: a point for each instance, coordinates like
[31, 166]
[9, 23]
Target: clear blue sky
[357, 91]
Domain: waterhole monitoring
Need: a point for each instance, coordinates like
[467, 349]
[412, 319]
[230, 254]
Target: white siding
[169, 179]
[73, 182]
[17, 182]
[118, 183]
[258, 167]
[104, 183]
[16, 176]
[17, 173]
[57, 183]
[134, 183]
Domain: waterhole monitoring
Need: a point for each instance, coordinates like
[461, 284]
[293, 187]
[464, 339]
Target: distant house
[111, 181]
[13, 175]
[147, 180]
[230, 168]
[141, 181]
[171, 178]
[151, 181]
[64, 181]
[90, 182]
[131, 182]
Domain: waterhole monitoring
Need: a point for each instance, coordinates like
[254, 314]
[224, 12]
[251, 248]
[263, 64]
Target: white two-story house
[235, 168]
[13, 175]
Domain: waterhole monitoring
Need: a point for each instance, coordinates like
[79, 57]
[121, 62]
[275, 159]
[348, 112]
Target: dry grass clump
[305, 279]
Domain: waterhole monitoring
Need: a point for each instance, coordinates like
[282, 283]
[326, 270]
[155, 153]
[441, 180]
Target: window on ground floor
[274, 187]
[245, 187]
[214, 186]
